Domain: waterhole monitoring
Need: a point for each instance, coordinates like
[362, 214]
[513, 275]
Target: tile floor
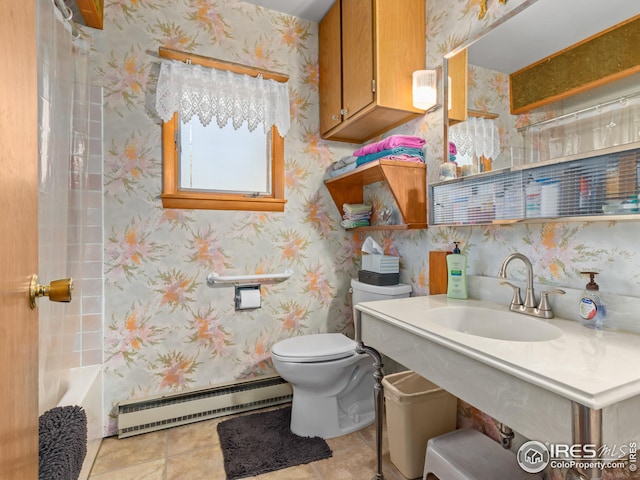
[192, 452]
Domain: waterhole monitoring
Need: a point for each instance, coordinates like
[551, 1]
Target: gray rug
[262, 442]
[62, 438]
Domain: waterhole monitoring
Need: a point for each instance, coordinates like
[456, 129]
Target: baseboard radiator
[164, 411]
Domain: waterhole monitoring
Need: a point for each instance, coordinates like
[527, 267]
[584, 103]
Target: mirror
[531, 32]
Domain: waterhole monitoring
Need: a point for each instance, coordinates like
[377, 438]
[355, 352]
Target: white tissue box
[380, 263]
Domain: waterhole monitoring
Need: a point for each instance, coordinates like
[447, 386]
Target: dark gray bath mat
[62, 437]
[262, 442]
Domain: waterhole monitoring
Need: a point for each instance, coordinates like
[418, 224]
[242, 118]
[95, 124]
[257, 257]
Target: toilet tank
[363, 292]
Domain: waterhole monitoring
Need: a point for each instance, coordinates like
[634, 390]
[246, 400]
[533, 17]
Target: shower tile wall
[83, 332]
[91, 328]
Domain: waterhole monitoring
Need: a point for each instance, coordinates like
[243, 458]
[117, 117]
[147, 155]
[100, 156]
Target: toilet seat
[320, 347]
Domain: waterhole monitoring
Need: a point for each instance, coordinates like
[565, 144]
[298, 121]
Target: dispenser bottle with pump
[457, 274]
[592, 308]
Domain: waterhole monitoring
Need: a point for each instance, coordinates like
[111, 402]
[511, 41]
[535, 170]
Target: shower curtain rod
[67, 16]
[621, 99]
[67, 13]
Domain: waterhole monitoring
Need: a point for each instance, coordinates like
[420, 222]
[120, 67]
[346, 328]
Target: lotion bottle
[592, 308]
[457, 274]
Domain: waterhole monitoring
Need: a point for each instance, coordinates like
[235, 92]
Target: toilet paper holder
[247, 297]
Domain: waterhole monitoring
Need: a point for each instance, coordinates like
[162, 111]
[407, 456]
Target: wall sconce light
[425, 89]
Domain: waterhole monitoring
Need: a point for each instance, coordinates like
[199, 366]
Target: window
[208, 167]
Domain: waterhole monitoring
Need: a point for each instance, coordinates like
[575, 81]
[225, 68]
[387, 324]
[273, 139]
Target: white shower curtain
[63, 124]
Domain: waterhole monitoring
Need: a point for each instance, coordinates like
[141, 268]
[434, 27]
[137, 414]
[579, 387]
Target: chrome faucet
[543, 310]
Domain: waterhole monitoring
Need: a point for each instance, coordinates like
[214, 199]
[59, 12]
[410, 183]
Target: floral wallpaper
[166, 330]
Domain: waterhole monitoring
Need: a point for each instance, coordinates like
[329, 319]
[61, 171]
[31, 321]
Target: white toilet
[332, 384]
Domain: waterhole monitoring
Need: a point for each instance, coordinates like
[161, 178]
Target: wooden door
[18, 241]
[357, 55]
[329, 60]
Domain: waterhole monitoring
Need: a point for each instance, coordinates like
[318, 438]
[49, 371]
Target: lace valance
[211, 93]
[476, 137]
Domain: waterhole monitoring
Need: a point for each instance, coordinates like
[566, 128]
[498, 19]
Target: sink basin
[496, 324]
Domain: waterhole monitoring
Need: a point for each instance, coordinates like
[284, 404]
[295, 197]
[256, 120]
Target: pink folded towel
[403, 158]
[390, 142]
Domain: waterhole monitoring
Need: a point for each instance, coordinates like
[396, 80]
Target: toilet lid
[314, 348]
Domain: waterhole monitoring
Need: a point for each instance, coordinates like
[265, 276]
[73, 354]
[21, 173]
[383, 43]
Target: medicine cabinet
[575, 188]
[568, 151]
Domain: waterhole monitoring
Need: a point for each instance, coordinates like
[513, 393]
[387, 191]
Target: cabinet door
[357, 55]
[329, 59]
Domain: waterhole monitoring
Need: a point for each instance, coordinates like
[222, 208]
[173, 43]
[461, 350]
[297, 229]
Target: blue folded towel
[345, 169]
[343, 162]
[416, 152]
[354, 223]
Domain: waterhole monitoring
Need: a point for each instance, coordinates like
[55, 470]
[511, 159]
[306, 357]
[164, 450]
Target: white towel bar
[213, 278]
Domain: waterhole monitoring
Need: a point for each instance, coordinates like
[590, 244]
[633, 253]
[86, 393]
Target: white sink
[499, 325]
[499, 362]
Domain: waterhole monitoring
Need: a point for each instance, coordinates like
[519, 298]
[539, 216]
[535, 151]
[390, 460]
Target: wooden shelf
[406, 180]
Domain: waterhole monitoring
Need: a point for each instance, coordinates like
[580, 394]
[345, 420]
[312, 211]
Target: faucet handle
[517, 299]
[544, 299]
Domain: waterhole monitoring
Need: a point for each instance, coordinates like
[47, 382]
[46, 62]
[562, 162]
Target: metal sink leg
[587, 429]
[378, 399]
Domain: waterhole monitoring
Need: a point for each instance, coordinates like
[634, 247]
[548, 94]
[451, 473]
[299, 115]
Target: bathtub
[84, 388]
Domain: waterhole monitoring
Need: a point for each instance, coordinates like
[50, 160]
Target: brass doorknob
[57, 290]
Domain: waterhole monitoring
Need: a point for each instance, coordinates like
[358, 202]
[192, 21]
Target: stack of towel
[356, 215]
[396, 147]
[344, 165]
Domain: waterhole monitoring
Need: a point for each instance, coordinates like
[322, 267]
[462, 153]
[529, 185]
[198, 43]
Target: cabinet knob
[344, 111]
[335, 117]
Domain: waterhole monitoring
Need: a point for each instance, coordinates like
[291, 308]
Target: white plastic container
[533, 194]
[549, 198]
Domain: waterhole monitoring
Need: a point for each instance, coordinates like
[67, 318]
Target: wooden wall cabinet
[406, 180]
[368, 51]
[92, 11]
